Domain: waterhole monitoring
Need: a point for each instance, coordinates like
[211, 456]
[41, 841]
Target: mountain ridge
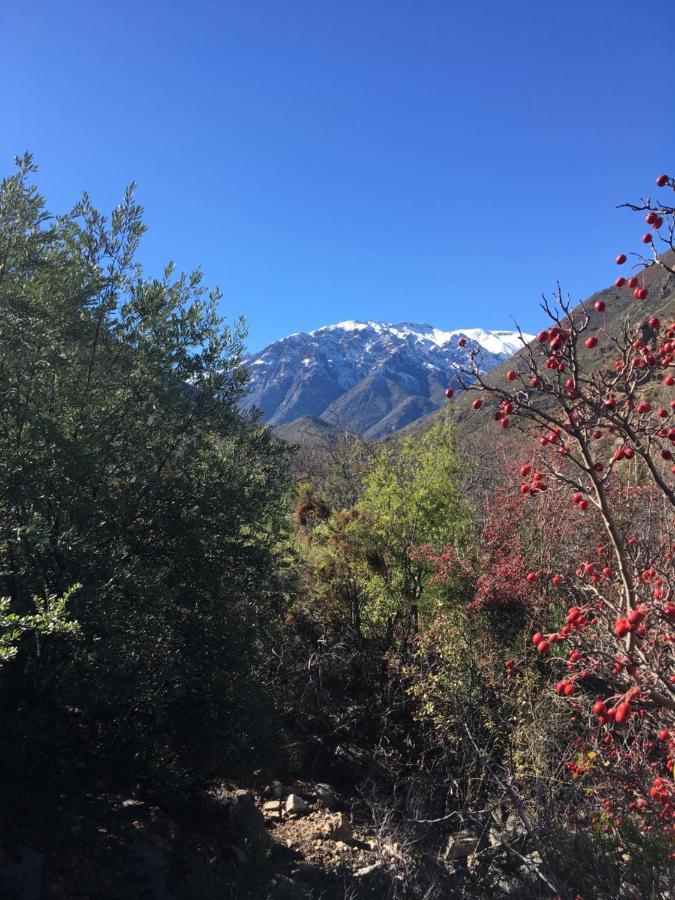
[371, 378]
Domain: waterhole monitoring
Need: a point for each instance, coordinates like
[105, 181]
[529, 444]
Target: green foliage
[50, 618]
[412, 498]
[126, 468]
[362, 568]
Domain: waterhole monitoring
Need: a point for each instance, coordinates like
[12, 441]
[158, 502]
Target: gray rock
[463, 843]
[273, 807]
[276, 790]
[295, 804]
[326, 796]
[336, 828]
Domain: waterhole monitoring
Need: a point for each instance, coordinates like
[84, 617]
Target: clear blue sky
[370, 159]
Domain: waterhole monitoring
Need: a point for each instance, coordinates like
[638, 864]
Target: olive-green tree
[126, 468]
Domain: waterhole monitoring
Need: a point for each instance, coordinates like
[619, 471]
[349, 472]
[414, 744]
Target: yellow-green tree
[362, 561]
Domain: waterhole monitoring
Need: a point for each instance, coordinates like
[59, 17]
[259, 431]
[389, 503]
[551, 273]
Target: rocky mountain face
[370, 378]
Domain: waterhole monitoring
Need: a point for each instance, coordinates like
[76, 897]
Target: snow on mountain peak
[499, 342]
[374, 377]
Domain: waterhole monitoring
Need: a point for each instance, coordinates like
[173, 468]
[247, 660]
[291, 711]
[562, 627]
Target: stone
[273, 807]
[276, 790]
[463, 843]
[326, 796]
[336, 828]
[295, 804]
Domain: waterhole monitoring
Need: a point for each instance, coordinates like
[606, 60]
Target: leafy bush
[126, 468]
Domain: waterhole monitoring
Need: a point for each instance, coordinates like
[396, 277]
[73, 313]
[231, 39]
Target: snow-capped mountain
[368, 377]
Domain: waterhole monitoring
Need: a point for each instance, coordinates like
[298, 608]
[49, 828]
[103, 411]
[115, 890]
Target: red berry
[647, 238]
[510, 375]
[632, 282]
[591, 342]
[531, 576]
[654, 322]
[621, 259]
[537, 638]
[662, 180]
[477, 403]
[621, 627]
[622, 713]
[599, 304]
[461, 342]
[583, 505]
[641, 293]
[635, 616]
[449, 393]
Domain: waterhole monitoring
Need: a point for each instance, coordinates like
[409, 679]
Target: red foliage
[600, 443]
[502, 557]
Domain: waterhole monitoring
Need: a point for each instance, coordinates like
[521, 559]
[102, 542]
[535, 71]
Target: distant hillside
[619, 305]
[308, 430]
[369, 378]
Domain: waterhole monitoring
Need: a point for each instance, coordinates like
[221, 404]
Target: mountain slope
[620, 305]
[367, 377]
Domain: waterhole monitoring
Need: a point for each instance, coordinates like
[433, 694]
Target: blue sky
[354, 159]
